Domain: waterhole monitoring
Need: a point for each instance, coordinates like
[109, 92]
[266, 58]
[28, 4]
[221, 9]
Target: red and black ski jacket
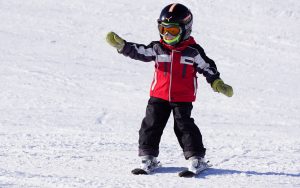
[175, 77]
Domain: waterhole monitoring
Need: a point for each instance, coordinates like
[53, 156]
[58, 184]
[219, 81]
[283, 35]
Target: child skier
[177, 60]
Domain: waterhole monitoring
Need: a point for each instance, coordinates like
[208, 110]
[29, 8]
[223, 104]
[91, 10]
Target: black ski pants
[157, 114]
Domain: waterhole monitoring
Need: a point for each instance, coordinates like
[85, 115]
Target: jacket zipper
[171, 70]
[195, 86]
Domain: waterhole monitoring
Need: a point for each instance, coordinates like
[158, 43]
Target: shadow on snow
[215, 171]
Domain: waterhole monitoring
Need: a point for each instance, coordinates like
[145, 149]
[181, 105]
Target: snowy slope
[71, 106]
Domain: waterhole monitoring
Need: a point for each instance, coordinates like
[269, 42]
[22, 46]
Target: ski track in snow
[71, 107]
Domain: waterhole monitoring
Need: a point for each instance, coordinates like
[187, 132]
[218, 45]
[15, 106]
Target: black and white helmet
[180, 14]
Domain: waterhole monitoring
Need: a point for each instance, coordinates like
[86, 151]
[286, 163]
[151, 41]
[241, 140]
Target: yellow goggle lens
[173, 30]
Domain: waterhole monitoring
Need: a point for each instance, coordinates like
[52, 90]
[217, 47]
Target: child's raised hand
[219, 86]
[114, 40]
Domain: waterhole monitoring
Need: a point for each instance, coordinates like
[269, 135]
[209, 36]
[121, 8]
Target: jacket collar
[181, 46]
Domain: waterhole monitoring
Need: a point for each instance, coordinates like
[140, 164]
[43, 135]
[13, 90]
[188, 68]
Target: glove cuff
[121, 47]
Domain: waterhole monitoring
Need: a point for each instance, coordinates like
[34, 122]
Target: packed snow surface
[71, 106]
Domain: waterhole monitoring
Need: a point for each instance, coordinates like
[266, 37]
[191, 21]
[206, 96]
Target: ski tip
[186, 174]
[139, 171]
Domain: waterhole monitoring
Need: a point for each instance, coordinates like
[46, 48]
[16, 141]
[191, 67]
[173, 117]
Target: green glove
[114, 40]
[219, 86]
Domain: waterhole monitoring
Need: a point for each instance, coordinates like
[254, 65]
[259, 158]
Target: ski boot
[149, 163]
[197, 165]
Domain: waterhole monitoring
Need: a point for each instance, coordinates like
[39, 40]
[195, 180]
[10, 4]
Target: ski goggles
[170, 29]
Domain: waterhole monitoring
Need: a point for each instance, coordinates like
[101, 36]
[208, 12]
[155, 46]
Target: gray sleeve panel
[205, 65]
[140, 51]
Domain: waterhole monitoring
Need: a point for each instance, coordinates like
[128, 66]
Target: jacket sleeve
[139, 51]
[205, 65]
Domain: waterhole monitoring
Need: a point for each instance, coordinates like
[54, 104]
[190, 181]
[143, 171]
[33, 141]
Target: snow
[71, 106]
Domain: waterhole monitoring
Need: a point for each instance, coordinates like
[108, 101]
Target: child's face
[168, 37]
